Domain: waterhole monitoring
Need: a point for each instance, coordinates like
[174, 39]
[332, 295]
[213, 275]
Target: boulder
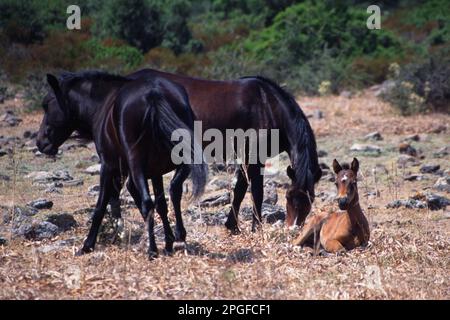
[365, 148]
[94, 169]
[64, 221]
[429, 168]
[442, 184]
[41, 204]
[374, 136]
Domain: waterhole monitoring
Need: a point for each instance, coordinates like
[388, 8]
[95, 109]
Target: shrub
[422, 85]
[145, 31]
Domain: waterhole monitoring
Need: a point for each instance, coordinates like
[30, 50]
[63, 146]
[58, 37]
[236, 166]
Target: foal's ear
[355, 165]
[336, 166]
[54, 84]
[290, 172]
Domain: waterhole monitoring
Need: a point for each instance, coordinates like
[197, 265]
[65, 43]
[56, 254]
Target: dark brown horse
[131, 123]
[258, 103]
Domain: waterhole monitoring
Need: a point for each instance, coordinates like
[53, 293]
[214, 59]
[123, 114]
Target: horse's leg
[146, 206]
[238, 195]
[114, 203]
[176, 191]
[257, 189]
[161, 207]
[106, 186]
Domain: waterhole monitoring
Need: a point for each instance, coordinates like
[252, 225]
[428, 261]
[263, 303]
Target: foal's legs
[238, 195]
[106, 189]
[176, 191]
[161, 207]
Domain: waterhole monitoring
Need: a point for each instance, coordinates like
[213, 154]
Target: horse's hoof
[83, 251]
[233, 228]
[180, 236]
[152, 255]
[168, 252]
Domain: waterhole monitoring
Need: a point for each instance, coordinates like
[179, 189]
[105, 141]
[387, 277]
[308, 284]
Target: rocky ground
[45, 206]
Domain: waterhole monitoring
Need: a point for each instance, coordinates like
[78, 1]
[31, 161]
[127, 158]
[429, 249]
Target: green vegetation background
[305, 45]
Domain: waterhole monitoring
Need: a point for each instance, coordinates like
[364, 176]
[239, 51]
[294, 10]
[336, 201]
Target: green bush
[120, 57]
[422, 85]
[138, 22]
[312, 42]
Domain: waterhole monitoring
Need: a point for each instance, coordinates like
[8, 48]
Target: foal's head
[57, 125]
[346, 178]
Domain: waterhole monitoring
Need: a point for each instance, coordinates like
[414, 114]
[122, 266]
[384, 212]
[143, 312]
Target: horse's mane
[94, 75]
[302, 135]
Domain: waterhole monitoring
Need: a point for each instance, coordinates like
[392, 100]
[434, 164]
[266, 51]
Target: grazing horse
[131, 123]
[339, 231]
[257, 103]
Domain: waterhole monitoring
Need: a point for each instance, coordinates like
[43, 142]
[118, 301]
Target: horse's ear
[355, 165]
[291, 173]
[336, 166]
[54, 84]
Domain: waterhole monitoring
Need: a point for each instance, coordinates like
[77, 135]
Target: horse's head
[346, 183]
[57, 125]
[299, 197]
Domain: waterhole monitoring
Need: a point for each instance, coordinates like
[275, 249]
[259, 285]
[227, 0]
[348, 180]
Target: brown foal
[339, 231]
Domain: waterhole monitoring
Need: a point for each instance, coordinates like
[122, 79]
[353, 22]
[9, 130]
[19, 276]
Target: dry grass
[408, 255]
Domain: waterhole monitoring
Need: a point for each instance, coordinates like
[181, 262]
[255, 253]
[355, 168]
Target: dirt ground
[407, 258]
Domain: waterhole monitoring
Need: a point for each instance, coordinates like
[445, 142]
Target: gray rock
[41, 230]
[45, 176]
[273, 213]
[72, 183]
[94, 190]
[436, 202]
[94, 169]
[9, 118]
[414, 177]
[429, 168]
[216, 200]
[270, 196]
[405, 160]
[442, 184]
[431, 201]
[374, 136]
[413, 137]
[324, 166]
[56, 246]
[219, 183]
[365, 148]
[41, 204]
[64, 221]
[410, 204]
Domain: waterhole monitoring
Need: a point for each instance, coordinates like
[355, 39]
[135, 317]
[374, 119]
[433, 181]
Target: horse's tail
[164, 123]
[300, 136]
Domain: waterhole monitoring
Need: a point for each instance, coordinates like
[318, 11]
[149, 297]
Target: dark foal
[257, 103]
[131, 123]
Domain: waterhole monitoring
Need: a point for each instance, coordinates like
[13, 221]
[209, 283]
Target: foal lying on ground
[339, 231]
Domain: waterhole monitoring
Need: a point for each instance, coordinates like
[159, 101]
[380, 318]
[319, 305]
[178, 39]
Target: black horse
[257, 103]
[131, 123]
